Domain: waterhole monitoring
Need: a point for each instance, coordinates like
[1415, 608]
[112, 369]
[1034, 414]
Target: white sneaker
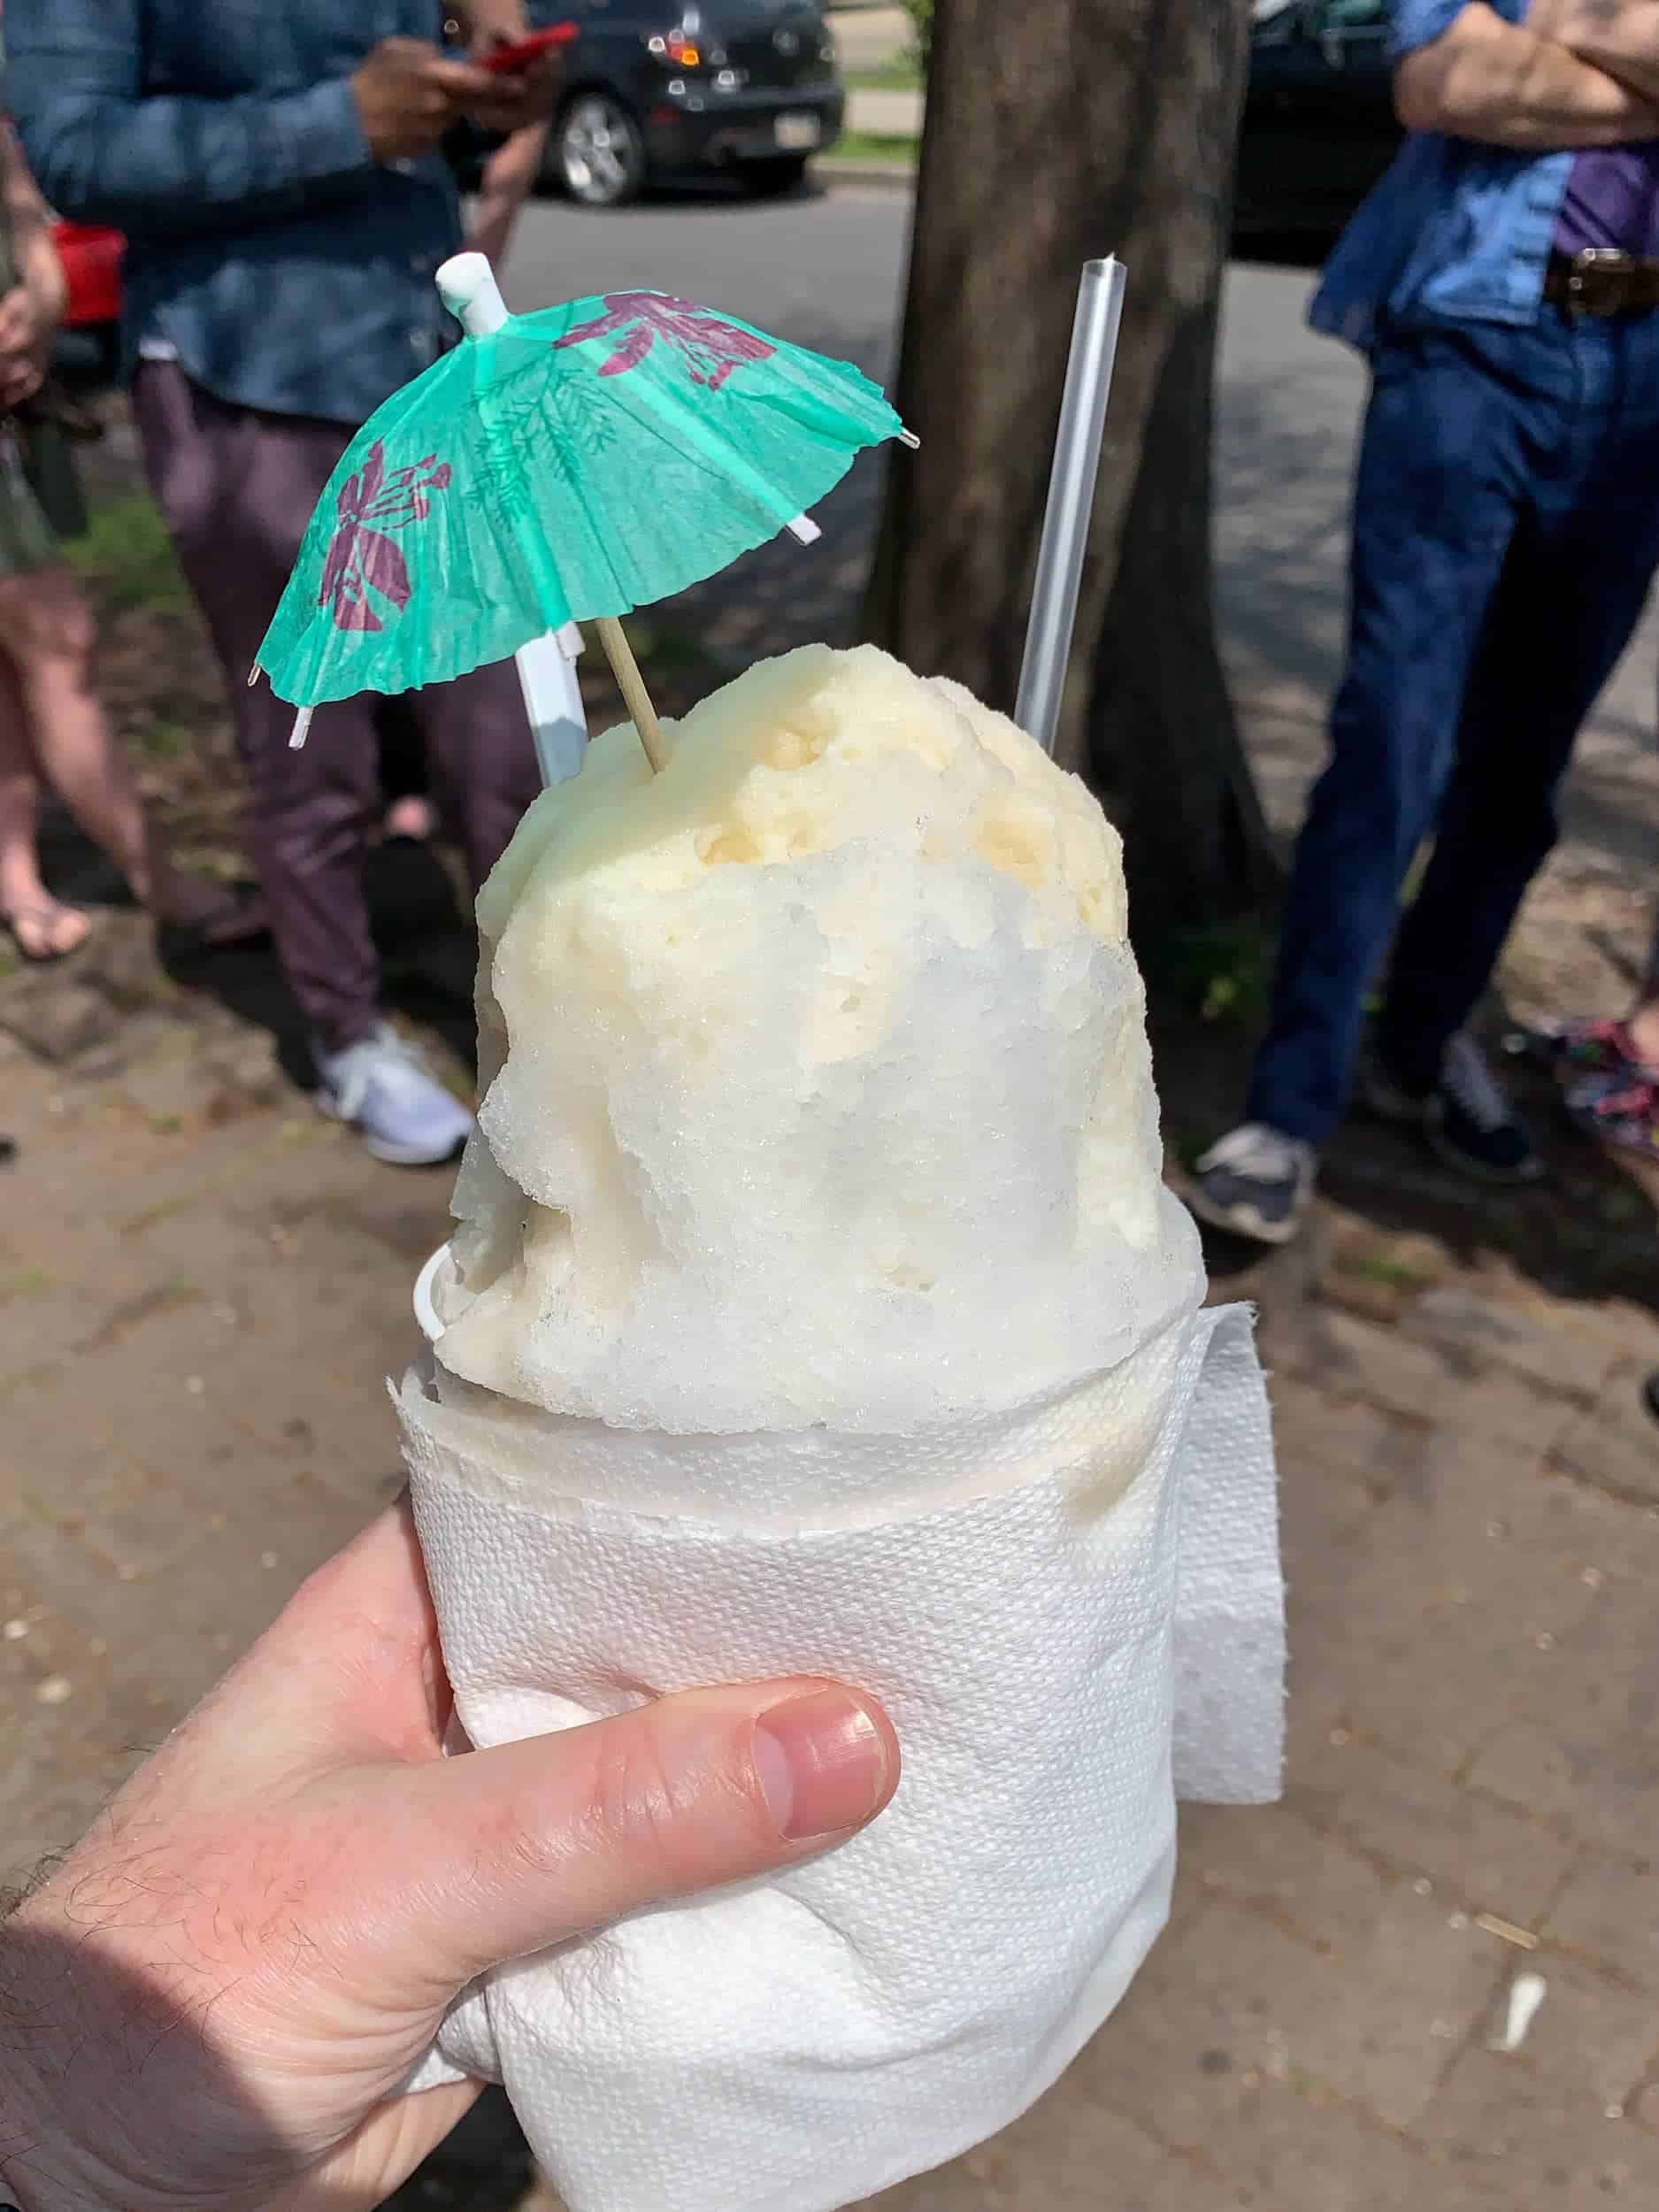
[1256, 1182]
[383, 1087]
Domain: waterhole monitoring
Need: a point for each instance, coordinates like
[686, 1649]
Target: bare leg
[43, 926]
[46, 630]
[509, 178]
[1642, 1022]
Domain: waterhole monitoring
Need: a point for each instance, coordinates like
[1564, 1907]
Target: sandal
[37, 929]
[1619, 1110]
[1596, 1049]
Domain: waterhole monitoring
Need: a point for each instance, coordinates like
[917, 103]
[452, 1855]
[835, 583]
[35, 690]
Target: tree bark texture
[1059, 131]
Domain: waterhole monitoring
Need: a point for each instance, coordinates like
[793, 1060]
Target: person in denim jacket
[1504, 279]
[277, 171]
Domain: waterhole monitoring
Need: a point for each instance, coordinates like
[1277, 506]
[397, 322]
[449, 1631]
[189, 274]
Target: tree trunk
[1056, 133]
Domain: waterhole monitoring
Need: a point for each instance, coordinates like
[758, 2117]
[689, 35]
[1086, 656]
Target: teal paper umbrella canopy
[578, 462]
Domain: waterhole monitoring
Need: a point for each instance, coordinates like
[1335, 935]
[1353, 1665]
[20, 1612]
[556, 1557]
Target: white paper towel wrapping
[1073, 1614]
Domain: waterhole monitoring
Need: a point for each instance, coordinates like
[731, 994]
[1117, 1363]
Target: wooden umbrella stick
[631, 684]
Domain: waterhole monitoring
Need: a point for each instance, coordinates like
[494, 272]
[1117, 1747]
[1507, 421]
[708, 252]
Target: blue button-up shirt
[284, 266]
[1456, 232]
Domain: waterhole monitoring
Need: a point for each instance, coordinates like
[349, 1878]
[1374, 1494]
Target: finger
[461, 82]
[508, 1851]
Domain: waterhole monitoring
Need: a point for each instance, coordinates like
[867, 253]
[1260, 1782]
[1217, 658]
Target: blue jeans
[1506, 527]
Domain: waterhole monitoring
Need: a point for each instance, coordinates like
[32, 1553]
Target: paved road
[870, 36]
[886, 114]
[824, 268]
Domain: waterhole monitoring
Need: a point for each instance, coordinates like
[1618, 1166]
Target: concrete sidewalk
[868, 37]
[886, 114]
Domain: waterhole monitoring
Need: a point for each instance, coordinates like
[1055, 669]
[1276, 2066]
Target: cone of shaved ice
[815, 1305]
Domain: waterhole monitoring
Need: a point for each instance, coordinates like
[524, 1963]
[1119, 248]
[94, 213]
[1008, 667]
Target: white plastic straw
[553, 701]
[1066, 528]
[547, 664]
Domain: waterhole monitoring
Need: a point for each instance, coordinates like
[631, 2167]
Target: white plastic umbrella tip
[467, 286]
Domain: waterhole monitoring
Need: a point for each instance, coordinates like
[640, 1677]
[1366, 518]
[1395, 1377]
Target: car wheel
[770, 179]
[600, 154]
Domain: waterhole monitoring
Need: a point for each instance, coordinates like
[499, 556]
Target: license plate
[799, 133]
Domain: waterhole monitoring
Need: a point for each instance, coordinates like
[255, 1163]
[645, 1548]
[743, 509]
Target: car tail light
[677, 47]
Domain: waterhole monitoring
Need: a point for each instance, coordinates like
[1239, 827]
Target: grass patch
[1185, 1147]
[125, 559]
[1223, 974]
[875, 146]
[161, 740]
[903, 73]
[1373, 1263]
[225, 864]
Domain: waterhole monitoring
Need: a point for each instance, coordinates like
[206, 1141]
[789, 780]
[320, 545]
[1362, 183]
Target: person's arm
[106, 152]
[214, 1998]
[33, 309]
[35, 253]
[487, 23]
[1499, 83]
[510, 175]
[1619, 36]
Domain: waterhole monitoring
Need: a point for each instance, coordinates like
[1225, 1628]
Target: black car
[1319, 125]
[750, 87]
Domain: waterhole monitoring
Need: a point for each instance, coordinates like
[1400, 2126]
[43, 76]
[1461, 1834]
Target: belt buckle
[1598, 281]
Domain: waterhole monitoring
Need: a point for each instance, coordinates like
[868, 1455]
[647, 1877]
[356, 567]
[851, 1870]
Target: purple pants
[237, 488]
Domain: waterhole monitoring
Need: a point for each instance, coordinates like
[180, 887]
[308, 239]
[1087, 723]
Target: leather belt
[1600, 280]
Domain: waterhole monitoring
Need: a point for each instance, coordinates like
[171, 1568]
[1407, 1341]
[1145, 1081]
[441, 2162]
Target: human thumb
[522, 1847]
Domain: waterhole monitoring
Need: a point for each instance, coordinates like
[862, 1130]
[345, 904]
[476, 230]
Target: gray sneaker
[383, 1087]
[1471, 1124]
[1467, 1118]
[1257, 1182]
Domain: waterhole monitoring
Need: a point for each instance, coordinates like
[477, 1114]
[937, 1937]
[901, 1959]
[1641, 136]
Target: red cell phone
[510, 61]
